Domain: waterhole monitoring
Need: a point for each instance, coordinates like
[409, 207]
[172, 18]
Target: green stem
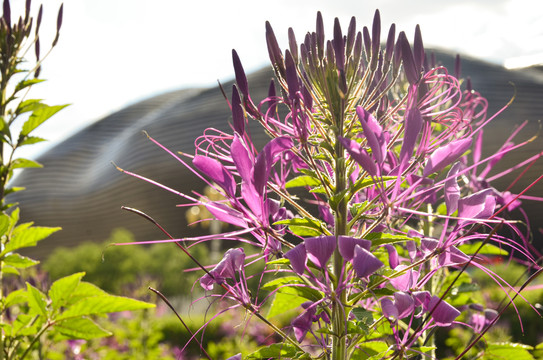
[339, 345]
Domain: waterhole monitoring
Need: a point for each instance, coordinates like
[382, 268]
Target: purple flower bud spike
[238, 116]
[241, 78]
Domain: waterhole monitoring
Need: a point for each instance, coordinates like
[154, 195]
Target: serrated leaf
[62, 289]
[39, 116]
[29, 105]
[14, 189]
[85, 290]
[378, 239]
[274, 351]
[30, 140]
[25, 163]
[19, 262]
[81, 328]
[303, 181]
[10, 270]
[283, 302]
[96, 305]
[26, 237]
[507, 351]
[26, 83]
[36, 300]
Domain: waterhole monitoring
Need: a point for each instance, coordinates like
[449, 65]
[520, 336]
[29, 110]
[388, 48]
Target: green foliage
[28, 314]
[115, 268]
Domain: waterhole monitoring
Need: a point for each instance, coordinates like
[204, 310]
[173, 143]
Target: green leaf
[96, 305]
[30, 140]
[303, 226]
[29, 105]
[274, 351]
[363, 315]
[36, 300]
[39, 116]
[372, 350]
[62, 289]
[16, 297]
[304, 180]
[85, 290]
[81, 328]
[26, 83]
[366, 182]
[25, 236]
[25, 163]
[283, 302]
[4, 223]
[378, 239]
[282, 261]
[487, 249]
[19, 262]
[496, 351]
[282, 281]
[281, 285]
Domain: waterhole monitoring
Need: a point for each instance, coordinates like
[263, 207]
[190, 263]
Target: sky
[113, 53]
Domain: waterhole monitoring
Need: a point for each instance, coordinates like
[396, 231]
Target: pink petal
[444, 314]
[347, 244]
[364, 262]
[413, 126]
[405, 304]
[226, 214]
[216, 172]
[298, 258]
[373, 133]
[452, 190]
[446, 155]
[477, 206]
[320, 249]
[359, 155]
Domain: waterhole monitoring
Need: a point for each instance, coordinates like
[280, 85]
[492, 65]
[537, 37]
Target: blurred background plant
[33, 316]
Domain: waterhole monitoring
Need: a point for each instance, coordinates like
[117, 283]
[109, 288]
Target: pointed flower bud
[238, 115]
[241, 78]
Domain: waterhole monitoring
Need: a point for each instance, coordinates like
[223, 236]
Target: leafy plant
[366, 204]
[27, 313]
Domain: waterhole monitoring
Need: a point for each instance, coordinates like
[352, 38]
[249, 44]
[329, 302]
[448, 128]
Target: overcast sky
[113, 53]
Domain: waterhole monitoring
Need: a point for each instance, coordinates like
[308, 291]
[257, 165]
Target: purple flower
[298, 258]
[364, 262]
[302, 323]
[446, 155]
[231, 263]
[216, 172]
[319, 249]
[444, 313]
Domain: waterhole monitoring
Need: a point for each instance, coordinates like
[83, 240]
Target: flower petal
[452, 190]
[298, 258]
[373, 133]
[389, 309]
[359, 155]
[444, 314]
[226, 214]
[405, 304]
[320, 249]
[216, 172]
[364, 262]
[347, 244]
[445, 155]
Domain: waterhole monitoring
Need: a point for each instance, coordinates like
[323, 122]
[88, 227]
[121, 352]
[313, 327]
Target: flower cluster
[365, 198]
